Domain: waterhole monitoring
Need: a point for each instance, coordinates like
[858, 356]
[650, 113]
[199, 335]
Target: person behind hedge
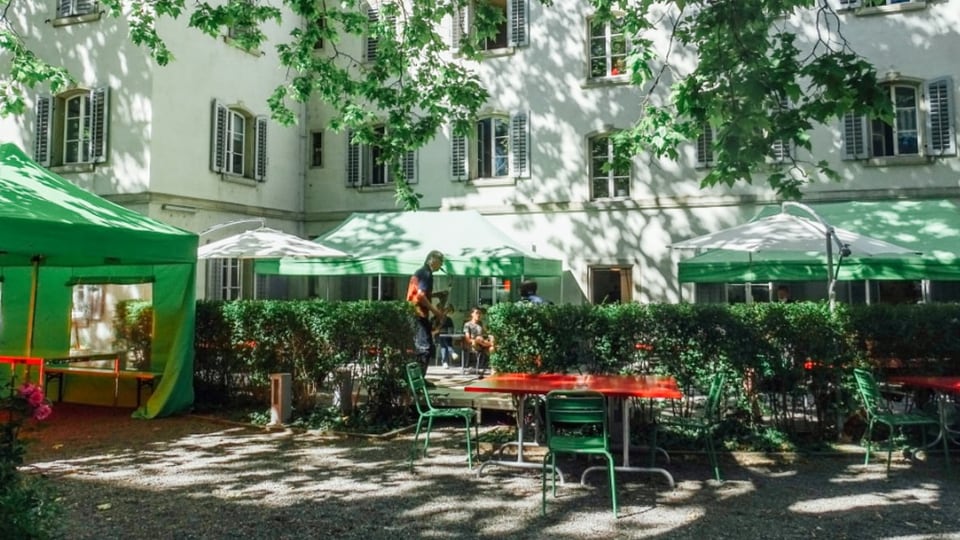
[477, 340]
[420, 293]
[528, 293]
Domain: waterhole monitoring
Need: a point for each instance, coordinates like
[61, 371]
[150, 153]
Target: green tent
[396, 243]
[931, 227]
[57, 235]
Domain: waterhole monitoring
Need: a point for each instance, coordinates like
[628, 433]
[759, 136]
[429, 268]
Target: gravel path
[193, 478]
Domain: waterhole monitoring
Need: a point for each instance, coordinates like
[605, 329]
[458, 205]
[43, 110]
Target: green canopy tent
[396, 243]
[931, 227]
[57, 235]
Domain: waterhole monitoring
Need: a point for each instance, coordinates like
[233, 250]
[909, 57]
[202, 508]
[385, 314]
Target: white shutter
[214, 279]
[410, 167]
[260, 149]
[42, 141]
[354, 161]
[855, 134]
[373, 16]
[458, 157]
[705, 147]
[520, 146]
[518, 16]
[218, 137]
[459, 26]
[780, 149]
[941, 130]
[100, 105]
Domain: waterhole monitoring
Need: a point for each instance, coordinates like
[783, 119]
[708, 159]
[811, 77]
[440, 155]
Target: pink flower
[42, 412]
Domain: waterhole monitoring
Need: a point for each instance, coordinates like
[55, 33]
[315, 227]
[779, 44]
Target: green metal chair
[878, 411]
[576, 424]
[703, 424]
[426, 411]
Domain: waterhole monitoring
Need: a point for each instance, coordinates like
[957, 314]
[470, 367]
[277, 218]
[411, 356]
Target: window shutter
[458, 27]
[705, 147]
[458, 157]
[518, 17]
[218, 137]
[353, 161]
[941, 131]
[520, 146]
[260, 149]
[100, 103]
[848, 4]
[41, 144]
[214, 279]
[855, 136]
[373, 16]
[64, 8]
[84, 7]
[780, 148]
[410, 167]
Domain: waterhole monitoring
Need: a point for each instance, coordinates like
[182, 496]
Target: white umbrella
[265, 243]
[786, 233]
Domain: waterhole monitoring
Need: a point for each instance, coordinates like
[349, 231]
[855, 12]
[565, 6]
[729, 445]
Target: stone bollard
[281, 398]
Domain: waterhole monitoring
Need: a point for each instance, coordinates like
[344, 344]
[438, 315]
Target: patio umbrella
[787, 233]
[265, 243]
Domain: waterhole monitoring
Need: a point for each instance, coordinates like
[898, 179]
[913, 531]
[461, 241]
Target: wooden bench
[57, 368]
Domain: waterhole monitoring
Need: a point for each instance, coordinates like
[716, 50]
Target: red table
[614, 386]
[943, 386]
[27, 361]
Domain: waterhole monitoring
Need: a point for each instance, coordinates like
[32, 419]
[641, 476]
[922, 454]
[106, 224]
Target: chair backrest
[714, 396]
[418, 387]
[573, 410]
[869, 392]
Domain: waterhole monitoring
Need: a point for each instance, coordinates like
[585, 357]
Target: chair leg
[426, 436]
[469, 450]
[712, 454]
[414, 452]
[866, 459]
[543, 485]
[613, 484]
[653, 446]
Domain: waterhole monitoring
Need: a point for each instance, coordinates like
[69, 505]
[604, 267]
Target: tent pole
[32, 311]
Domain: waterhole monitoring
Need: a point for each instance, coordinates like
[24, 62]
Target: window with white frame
[922, 124]
[608, 49]
[224, 278]
[75, 8]
[781, 150]
[705, 146]
[238, 142]
[367, 165]
[72, 128]
[851, 4]
[316, 149]
[608, 178]
[497, 148]
[382, 21]
[511, 31]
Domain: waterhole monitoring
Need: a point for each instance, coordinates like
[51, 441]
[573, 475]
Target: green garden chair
[879, 411]
[576, 424]
[426, 411]
[703, 424]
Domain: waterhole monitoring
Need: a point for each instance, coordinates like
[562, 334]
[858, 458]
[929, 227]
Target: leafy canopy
[752, 84]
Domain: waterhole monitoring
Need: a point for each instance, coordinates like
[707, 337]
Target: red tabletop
[943, 384]
[641, 386]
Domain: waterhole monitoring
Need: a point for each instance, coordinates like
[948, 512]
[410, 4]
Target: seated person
[445, 339]
[476, 339]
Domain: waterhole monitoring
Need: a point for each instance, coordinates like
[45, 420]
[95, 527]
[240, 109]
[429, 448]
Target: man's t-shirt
[420, 282]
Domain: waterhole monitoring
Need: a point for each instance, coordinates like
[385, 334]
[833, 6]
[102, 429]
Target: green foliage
[747, 66]
[30, 510]
[133, 330]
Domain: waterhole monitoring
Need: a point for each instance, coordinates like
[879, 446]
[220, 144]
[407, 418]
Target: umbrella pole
[32, 310]
[831, 281]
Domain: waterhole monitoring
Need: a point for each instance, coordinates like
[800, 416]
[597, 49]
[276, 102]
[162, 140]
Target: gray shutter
[855, 136]
[458, 157]
[518, 17]
[214, 279]
[42, 131]
[373, 16]
[848, 4]
[84, 7]
[354, 164]
[64, 8]
[941, 130]
[100, 105]
[780, 148]
[260, 149]
[218, 137]
[410, 167]
[520, 146]
[705, 147]
[458, 27]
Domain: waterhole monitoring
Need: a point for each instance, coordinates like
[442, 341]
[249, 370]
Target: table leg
[626, 467]
[520, 462]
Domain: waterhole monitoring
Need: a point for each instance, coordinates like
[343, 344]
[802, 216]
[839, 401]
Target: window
[922, 124]
[498, 148]
[242, 29]
[850, 4]
[512, 30]
[607, 179]
[705, 146]
[382, 287]
[492, 291]
[366, 165]
[223, 279]
[75, 8]
[781, 150]
[71, 128]
[321, 24]
[316, 149]
[611, 284]
[382, 20]
[239, 143]
[608, 49]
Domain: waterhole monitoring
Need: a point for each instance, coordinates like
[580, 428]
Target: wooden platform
[449, 391]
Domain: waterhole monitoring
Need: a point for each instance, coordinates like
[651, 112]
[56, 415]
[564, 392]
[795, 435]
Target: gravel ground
[195, 478]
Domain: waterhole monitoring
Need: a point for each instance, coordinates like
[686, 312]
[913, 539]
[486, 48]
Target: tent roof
[931, 227]
[43, 214]
[397, 243]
